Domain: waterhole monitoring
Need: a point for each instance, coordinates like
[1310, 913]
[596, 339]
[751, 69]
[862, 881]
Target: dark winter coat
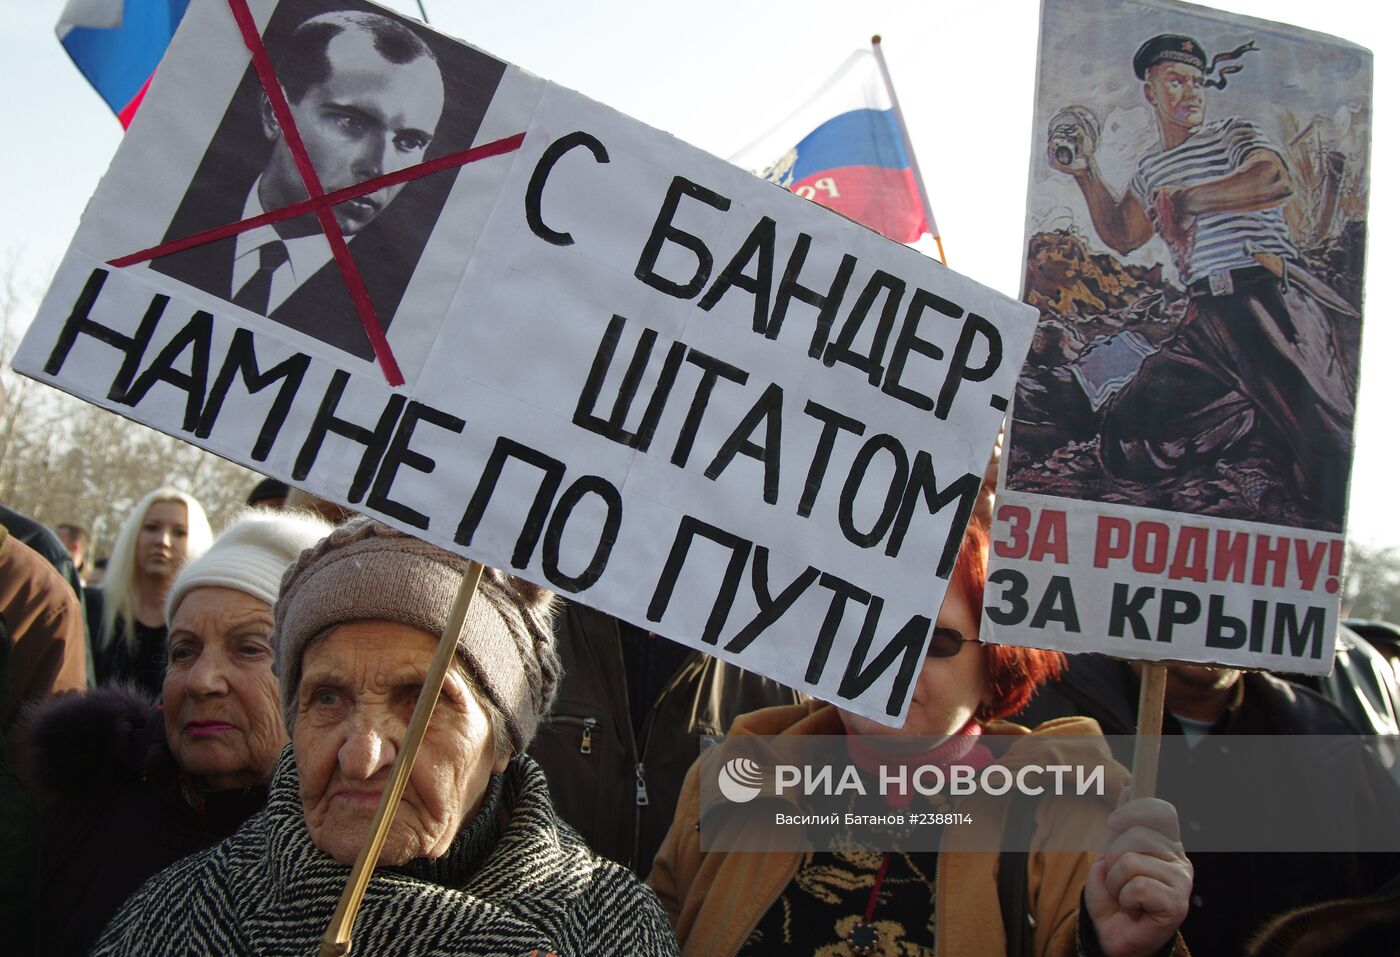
[515, 882]
[627, 726]
[19, 843]
[1234, 894]
[141, 667]
[116, 810]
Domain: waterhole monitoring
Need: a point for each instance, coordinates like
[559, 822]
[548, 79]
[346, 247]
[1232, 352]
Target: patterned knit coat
[530, 887]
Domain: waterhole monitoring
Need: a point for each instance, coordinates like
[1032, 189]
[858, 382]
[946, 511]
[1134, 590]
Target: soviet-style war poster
[1181, 435]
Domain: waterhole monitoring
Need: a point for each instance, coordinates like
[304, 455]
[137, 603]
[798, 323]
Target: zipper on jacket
[639, 748]
[791, 875]
[586, 724]
[938, 896]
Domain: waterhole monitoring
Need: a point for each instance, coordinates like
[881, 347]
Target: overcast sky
[717, 74]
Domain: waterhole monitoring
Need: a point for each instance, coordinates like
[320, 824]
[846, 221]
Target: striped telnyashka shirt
[1216, 149]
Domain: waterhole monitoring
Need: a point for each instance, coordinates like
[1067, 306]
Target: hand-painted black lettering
[974, 328]
[845, 513]
[844, 348]
[607, 535]
[195, 336]
[711, 370]
[614, 426]
[80, 322]
[769, 609]
[832, 422]
[964, 490]
[664, 230]
[399, 453]
[906, 647]
[908, 341]
[842, 592]
[767, 412]
[553, 475]
[826, 303]
[535, 191]
[759, 243]
[242, 360]
[375, 440]
[739, 548]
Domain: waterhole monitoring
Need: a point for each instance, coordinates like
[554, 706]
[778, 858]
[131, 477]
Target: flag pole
[908, 146]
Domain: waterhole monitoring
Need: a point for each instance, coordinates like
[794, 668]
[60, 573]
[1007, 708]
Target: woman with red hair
[1058, 899]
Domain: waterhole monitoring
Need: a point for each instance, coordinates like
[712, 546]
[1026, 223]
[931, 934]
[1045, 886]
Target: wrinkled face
[1177, 92]
[161, 543]
[222, 716]
[358, 687]
[948, 690]
[369, 117]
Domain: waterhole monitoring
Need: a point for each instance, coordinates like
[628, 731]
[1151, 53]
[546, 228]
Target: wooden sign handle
[1148, 743]
[336, 940]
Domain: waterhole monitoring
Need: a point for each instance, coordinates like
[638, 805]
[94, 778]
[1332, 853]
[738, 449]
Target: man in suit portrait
[366, 93]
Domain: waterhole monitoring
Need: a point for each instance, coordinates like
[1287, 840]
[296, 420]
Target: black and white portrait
[370, 93]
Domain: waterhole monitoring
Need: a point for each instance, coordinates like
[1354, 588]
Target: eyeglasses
[947, 642]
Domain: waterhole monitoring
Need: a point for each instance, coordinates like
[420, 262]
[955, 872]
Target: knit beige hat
[367, 571]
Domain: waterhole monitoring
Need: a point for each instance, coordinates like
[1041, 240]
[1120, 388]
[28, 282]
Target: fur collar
[81, 743]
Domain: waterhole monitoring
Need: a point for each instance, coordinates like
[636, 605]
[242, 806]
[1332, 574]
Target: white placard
[1175, 477]
[634, 373]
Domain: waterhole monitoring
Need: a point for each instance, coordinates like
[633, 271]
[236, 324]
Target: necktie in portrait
[256, 291]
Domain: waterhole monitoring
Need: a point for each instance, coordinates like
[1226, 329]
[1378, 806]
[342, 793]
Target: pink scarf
[963, 747]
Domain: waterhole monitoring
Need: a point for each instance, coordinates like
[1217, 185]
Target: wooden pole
[1148, 743]
[336, 940]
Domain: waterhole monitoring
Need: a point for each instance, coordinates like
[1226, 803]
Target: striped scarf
[268, 890]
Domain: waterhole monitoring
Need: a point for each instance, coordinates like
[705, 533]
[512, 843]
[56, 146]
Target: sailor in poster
[1252, 381]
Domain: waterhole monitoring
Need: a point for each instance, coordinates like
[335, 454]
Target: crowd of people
[195, 748]
[198, 730]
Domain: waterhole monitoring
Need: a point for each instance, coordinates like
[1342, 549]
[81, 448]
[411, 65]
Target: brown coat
[48, 652]
[715, 899]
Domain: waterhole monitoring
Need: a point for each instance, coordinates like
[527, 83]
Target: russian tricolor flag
[849, 154]
[116, 44]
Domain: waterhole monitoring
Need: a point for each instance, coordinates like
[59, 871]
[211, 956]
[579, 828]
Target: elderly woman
[164, 530]
[949, 902]
[134, 787]
[476, 860]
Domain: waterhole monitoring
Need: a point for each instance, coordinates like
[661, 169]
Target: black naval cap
[1168, 48]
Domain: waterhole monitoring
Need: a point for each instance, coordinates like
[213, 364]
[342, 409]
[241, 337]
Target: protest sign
[1174, 485]
[544, 335]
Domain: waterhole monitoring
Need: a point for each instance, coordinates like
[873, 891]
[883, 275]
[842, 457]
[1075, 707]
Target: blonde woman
[163, 531]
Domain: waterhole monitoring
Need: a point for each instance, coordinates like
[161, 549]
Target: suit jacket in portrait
[321, 306]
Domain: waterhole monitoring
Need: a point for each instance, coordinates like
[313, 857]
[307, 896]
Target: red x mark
[319, 201]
